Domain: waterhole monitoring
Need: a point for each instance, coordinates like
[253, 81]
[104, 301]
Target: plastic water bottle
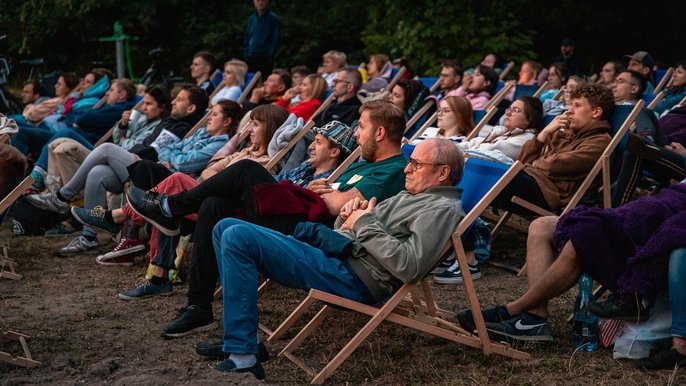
[585, 330]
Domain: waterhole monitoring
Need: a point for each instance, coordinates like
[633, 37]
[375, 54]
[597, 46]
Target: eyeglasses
[336, 81]
[440, 112]
[622, 81]
[416, 165]
[513, 110]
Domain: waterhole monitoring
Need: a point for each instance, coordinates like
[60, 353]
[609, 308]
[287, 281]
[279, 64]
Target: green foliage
[461, 29]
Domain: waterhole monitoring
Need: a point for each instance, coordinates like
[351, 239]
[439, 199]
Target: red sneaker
[123, 253]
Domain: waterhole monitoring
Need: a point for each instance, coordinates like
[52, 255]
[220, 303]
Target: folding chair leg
[292, 318]
[26, 360]
[8, 267]
[307, 330]
[368, 328]
[471, 295]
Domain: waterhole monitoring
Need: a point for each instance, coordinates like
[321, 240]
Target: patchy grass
[82, 333]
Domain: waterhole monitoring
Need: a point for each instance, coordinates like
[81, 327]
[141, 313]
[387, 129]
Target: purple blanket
[673, 125]
[628, 248]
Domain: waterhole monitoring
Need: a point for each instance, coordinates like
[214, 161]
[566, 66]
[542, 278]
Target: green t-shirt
[381, 179]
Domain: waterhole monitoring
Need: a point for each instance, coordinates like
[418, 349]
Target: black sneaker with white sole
[190, 319]
[212, 349]
[525, 327]
[149, 206]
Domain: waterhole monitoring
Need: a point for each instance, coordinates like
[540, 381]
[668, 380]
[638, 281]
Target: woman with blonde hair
[332, 62]
[233, 80]
[311, 92]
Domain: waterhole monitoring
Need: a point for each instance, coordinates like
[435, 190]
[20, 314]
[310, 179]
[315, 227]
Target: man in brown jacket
[558, 159]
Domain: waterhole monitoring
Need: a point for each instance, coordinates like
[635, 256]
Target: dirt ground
[82, 333]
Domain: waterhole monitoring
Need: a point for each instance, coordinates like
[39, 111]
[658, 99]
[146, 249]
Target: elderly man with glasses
[371, 253]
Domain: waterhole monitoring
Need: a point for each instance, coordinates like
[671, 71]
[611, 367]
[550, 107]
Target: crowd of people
[364, 232]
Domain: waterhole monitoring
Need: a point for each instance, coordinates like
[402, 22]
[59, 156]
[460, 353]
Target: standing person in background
[575, 63]
[261, 38]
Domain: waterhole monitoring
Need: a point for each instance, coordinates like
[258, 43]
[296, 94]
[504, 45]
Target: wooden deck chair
[506, 70]
[540, 90]
[411, 306]
[498, 97]
[656, 100]
[524, 90]
[99, 103]
[419, 114]
[7, 265]
[396, 78]
[432, 119]
[559, 94]
[664, 80]
[248, 88]
[620, 128]
[282, 153]
[683, 102]
[22, 361]
[5, 138]
[483, 121]
[109, 132]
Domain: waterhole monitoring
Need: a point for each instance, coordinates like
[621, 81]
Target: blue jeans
[42, 160]
[677, 291]
[30, 139]
[244, 249]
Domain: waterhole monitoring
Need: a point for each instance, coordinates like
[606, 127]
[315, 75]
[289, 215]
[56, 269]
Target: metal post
[119, 42]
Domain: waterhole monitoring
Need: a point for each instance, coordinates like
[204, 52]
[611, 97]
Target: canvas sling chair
[621, 120]
[666, 80]
[7, 265]
[138, 107]
[500, 95]
[506, 70]
[7, 270]
[412, 305]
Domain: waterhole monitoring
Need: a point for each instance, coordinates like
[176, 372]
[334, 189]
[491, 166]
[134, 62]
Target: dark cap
[643, 57]
[567, 42]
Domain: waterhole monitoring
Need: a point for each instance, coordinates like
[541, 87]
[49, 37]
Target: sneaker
[48, 201]
[189, 320]
[95, 218]
[126, 248]
[77, 246]
[445, 264]
[613, 308]
[62, 229]
[663, 356]
[228, 366]
[496, 314]
[124, 261]
[212, 349]
[147, 289]
[453, 275]
[524, 327]
[148, 205]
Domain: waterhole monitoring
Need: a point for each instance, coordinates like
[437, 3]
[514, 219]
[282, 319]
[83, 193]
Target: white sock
[243, 360]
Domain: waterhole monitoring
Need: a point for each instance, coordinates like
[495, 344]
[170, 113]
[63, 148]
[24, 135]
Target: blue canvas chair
[412, 305]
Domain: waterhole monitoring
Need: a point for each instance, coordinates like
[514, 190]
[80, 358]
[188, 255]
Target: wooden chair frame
[487, 117]
[396, 78]
[498, 97]
[5, 138]
[109, 132]
[665, 81]
[658, 98]
[506, 70]
[411, 306]
[602, 165]
[26, 360]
